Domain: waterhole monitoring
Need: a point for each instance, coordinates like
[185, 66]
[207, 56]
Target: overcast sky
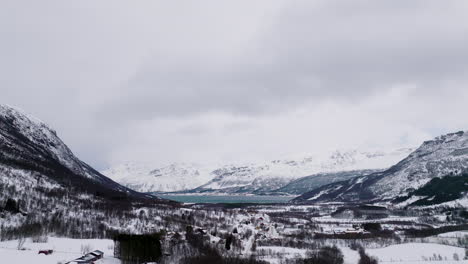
[203, 81]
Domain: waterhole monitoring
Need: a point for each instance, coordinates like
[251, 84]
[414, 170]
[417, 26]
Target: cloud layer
[209, 80]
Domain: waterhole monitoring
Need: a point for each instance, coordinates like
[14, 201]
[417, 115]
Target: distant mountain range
[411, 181]
[292, 177]
[171, 178]
[35, 165]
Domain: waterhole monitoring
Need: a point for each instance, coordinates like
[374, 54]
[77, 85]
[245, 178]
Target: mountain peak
[8, 111]
[444, 155]
[447, 138]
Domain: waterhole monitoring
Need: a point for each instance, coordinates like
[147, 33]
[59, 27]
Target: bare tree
[85, 249]
[21, 242]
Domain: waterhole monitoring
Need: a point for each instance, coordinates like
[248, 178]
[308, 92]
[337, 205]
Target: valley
[276, 234]
[233, 132]
[52, 202]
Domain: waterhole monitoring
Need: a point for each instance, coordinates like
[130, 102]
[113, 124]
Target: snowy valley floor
[66, 249]
[277, 234]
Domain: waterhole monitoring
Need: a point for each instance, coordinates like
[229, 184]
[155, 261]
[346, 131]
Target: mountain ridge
[30, 146]
[444, 155]
[262, 177]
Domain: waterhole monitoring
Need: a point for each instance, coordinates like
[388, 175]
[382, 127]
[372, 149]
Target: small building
[89, 258]
[98, 254]
[86, 259]
[202, 231]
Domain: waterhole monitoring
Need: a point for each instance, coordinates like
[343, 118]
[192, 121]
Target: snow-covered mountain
[247, 178]
[305, 184]
[171, 178]
[445, 155]
[31, 152]
[44, 188]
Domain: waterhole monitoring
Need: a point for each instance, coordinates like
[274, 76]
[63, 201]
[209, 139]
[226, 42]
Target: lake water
[227, 198]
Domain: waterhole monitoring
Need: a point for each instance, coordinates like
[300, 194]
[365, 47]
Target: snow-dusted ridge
[39, 134]
[171, 178]
[444, 155]
[262, 177]
[30, 149]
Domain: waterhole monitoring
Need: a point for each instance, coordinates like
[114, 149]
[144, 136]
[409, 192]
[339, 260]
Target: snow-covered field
[426, 253]
[284, 252]
[331, 219]
[410, 253]
[350, 256]
[65, 249]
[419, 252]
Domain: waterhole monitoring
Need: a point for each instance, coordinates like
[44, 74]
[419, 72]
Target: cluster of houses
[89, 258]
[344, 229]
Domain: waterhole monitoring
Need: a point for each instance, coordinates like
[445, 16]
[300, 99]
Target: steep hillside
[44, 188]
[308, 183]
[447, 154]
[437, 191]
[31, 150]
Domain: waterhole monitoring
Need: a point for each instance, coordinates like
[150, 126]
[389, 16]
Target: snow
[42, 136]
[286, 252]
[411, 200]
[350, 256]
[171, 178]
[65, 249]
[462, 202]
[327, 219]
[185, 176]
[415, 252]
[445, 155]
[436, 158]
[318, 195]
[456, 234]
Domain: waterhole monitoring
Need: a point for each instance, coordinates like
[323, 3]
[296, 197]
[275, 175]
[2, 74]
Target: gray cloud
[104, 73]
[309, 51]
